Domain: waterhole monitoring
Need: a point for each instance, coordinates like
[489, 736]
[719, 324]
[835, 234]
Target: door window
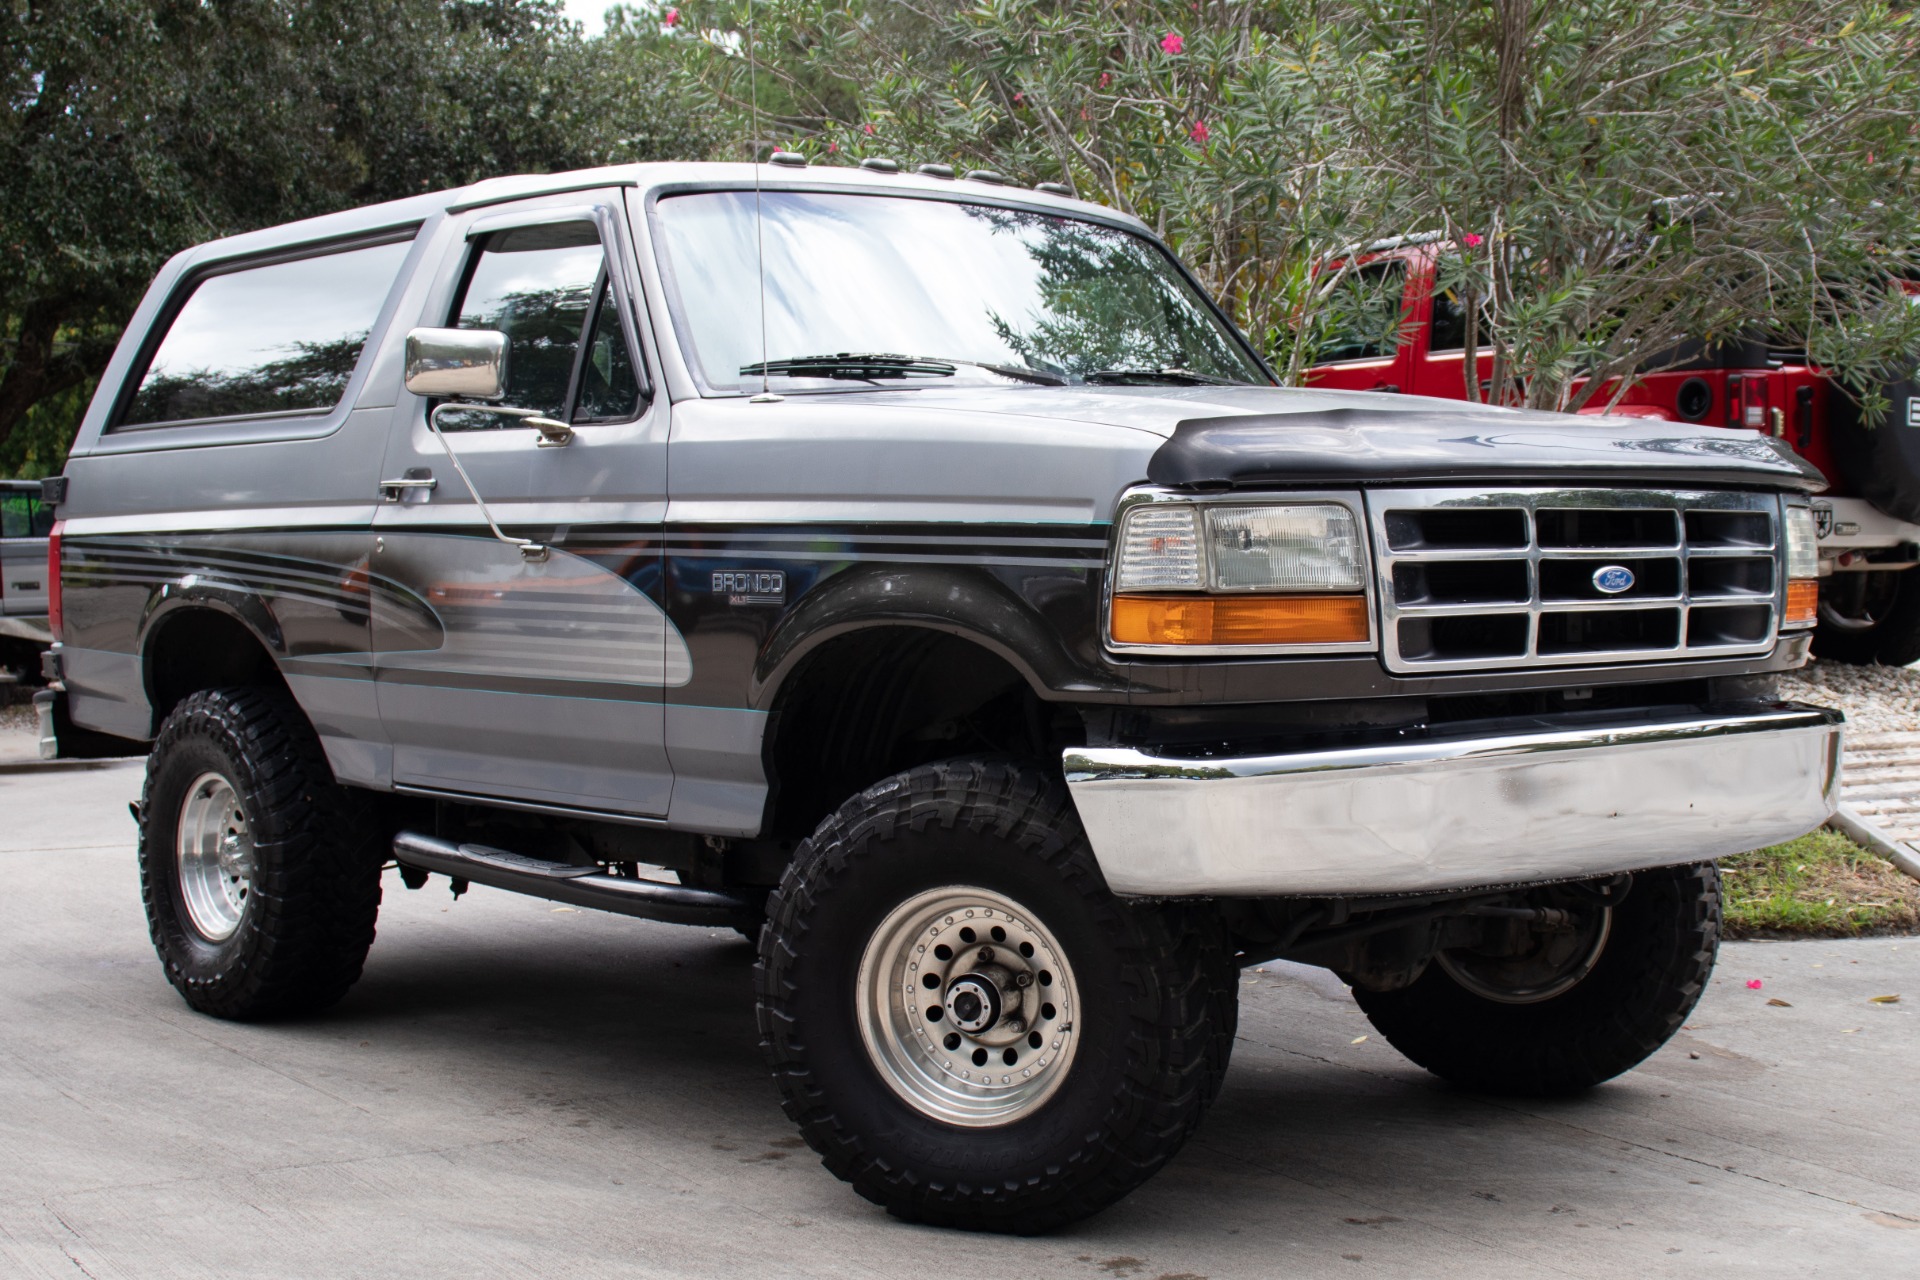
[283, 337]
[1448, 329]
[1363, 314]
[568, 357]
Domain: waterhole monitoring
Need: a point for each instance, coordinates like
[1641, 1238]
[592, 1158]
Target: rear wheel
[965, 1023]
[260, 874]
[1580, 1005]
[1870, 617]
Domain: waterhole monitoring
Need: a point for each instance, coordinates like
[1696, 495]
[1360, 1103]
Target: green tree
[1620, 175]
[1229, 129]
[135, 128]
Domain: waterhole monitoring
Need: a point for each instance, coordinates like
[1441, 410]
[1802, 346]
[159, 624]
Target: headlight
[1803, 568]
[1306, 548]
[1240, 576]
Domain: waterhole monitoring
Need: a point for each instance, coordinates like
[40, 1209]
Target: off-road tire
[1151, 1007]
[308, 921]
[1656, 963]
[1893, 640]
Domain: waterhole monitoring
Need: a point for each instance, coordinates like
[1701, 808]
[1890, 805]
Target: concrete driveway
[519, 1090]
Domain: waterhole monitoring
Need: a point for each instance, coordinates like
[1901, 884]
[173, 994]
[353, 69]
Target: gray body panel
[613, 678]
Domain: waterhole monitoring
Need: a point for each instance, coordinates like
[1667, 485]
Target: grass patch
[1822, 885]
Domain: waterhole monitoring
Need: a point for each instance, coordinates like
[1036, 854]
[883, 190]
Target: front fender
[963, 602]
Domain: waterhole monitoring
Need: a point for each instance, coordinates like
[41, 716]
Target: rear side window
[282, 337]
[24, 516]
[546, 288]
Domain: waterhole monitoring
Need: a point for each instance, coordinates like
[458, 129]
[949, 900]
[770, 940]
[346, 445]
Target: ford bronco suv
[922, 576]
[1867, 520]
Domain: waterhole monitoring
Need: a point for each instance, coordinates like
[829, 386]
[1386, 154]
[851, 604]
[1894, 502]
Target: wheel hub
[973, 1002]
[967, 1005]
[1556, 961]
[214, 857]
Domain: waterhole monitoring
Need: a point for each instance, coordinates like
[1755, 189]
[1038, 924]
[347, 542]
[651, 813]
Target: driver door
[499, 675]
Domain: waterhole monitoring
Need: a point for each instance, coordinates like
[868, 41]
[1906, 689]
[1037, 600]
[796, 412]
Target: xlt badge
[751, 586]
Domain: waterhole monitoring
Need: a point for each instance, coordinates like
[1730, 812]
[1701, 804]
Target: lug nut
[986, 955]
[1022, 980]
[1016, 1024]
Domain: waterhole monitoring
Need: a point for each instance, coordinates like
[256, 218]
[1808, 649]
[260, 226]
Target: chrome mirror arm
[551, 433]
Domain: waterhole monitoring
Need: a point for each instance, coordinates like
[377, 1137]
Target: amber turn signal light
[1803, 601]
[1240, 620]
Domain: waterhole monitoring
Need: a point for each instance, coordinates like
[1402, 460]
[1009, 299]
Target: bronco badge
[751, 586]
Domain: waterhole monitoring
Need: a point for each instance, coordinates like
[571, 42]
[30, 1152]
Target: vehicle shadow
[636, 1020]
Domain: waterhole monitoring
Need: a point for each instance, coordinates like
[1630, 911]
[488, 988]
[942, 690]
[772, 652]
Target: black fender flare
[172, 599]
[967, 603]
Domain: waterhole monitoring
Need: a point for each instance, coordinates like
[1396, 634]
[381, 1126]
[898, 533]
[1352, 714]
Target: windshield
[965, 291]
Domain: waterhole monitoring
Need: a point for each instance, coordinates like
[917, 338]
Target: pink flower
[1470, 240]
[1105, 79]
[832, 147]
[670, 18]
[867, 129]
[1200, 133]
[1019, 98]
[1172, 43]
[1753, 984]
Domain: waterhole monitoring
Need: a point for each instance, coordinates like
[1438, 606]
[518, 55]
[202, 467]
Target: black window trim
[185, 288]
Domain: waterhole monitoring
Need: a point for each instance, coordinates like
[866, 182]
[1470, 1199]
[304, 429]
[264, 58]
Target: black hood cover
[1348, 447]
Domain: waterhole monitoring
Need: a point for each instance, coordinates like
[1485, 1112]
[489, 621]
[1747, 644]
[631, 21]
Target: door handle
[417, 479]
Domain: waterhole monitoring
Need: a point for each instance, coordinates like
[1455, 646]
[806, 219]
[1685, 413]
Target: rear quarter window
[278, 338]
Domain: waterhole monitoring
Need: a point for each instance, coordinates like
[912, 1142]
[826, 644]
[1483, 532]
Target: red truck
[1868, 520]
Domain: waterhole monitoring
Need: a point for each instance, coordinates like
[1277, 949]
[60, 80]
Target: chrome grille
[1514, 578]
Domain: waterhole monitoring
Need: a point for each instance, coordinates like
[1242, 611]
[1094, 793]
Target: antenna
[759, 227]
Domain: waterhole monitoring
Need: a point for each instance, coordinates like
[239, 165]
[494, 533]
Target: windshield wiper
[1166, 373]
[866, 366]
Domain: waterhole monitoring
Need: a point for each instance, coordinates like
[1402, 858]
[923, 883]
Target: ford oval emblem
[1612, 578]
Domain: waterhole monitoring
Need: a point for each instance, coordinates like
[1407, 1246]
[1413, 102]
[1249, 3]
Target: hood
[1258, 437]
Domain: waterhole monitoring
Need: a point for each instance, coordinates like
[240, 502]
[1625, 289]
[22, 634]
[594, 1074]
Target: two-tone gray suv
[923, 576]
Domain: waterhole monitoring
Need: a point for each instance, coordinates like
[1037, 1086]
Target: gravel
[1876, 699]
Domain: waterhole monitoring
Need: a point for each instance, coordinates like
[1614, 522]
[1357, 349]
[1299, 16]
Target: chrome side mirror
[466, 364]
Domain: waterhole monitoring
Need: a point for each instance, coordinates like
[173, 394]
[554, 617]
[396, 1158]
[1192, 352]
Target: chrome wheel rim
[967, 1007]
[214, 854]
[1555, 967]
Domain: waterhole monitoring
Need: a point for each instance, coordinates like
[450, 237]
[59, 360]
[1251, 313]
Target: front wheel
[1581, 1005]
[1869, 617]
[965, 1023]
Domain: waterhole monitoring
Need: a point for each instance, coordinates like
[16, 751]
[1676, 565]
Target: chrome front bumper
[1454, 813]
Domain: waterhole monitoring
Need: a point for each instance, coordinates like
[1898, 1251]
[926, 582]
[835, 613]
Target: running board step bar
[575, 885]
